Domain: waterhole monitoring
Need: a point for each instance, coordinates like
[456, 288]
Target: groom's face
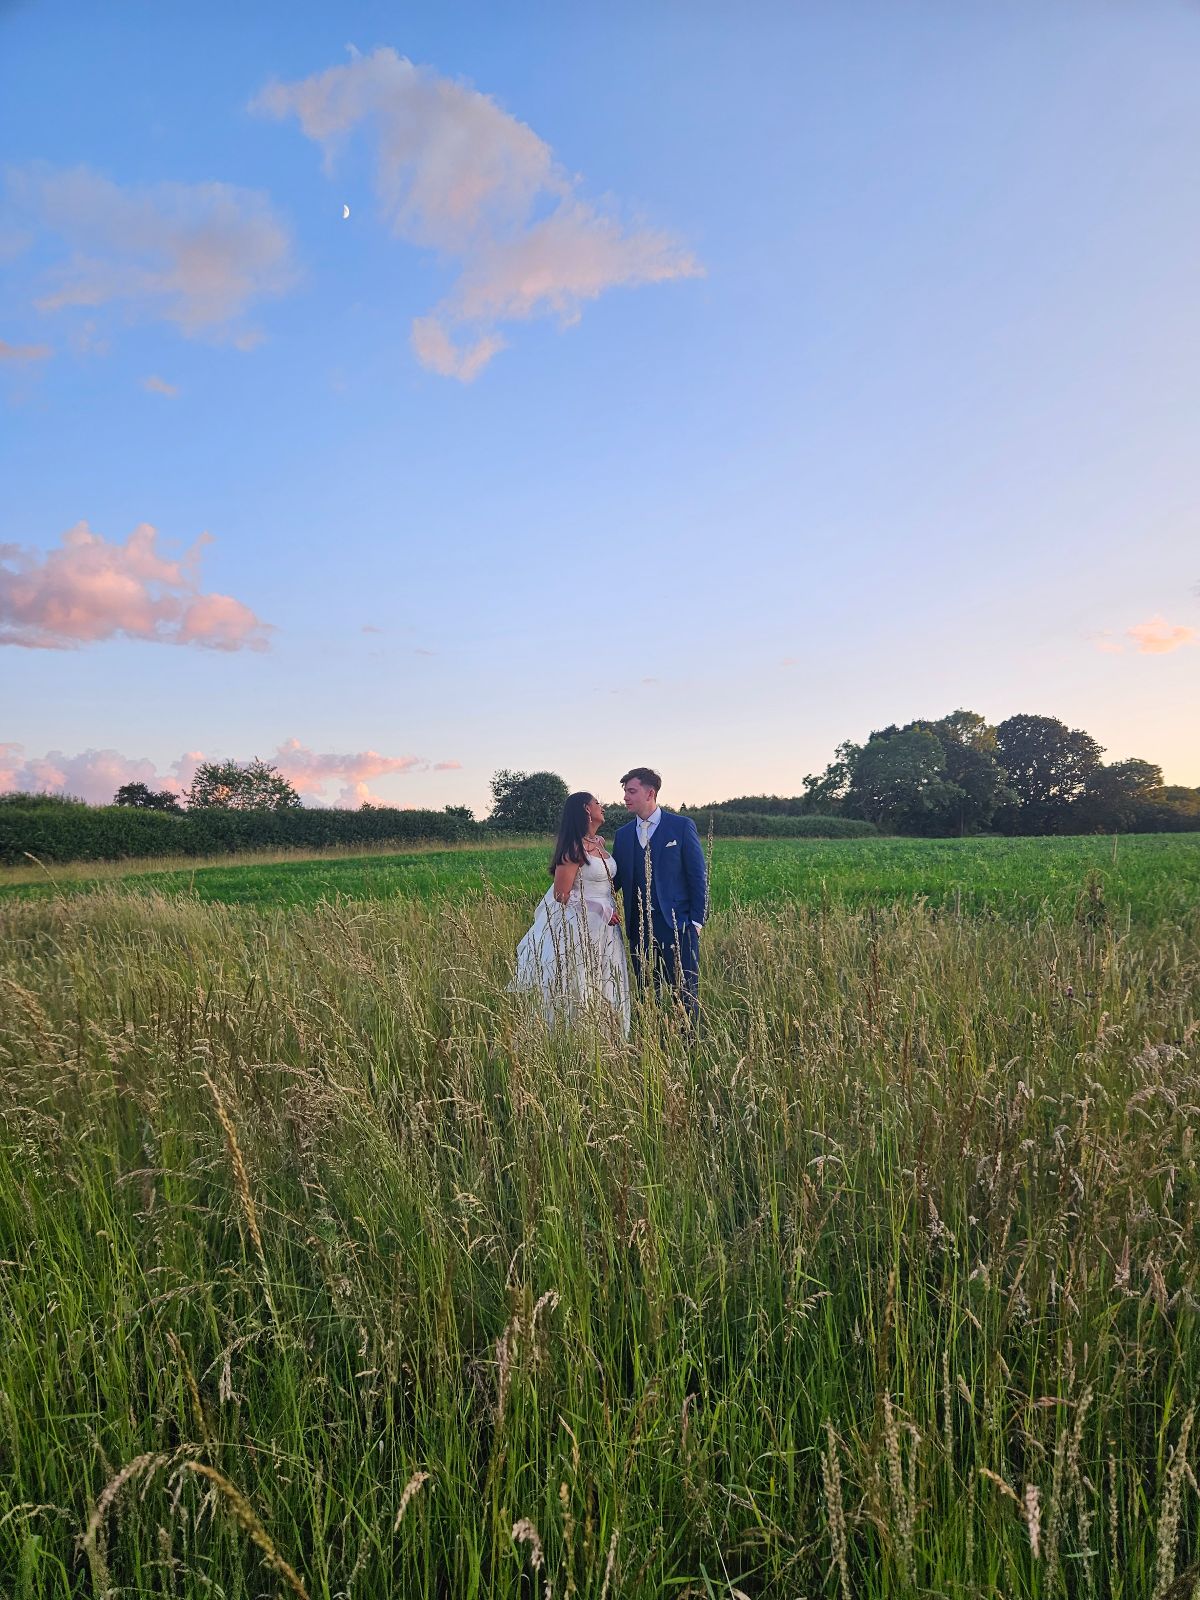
[639, 799]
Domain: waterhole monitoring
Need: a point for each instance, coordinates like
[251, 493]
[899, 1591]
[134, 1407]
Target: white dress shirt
[647, 825]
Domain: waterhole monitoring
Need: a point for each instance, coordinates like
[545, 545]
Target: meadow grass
[1155, 877]
[326, 1269]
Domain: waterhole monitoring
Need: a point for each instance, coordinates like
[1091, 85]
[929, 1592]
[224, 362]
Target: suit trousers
[672, 963]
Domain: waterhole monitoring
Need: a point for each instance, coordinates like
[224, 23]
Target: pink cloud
[194, 255]
[310, 772]
[1159, 637]
[159, 386]
[24, 352]
[457, 174]
[90, 589]
[96, 775]
[93, 775]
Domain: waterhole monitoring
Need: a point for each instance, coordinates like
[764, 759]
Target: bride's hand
[615, 920]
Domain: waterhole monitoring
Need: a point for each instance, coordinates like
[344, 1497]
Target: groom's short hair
[646, 776]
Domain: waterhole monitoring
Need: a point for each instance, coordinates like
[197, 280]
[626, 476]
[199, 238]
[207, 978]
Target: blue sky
[907, 420]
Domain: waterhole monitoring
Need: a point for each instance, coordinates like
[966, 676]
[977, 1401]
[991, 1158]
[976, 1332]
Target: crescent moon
[345, 212]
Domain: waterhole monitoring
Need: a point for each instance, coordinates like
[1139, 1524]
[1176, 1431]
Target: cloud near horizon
[1159, 637]
[1156, 637]
[96, 775]
[90, 590]
[457, 174]
[195, 255]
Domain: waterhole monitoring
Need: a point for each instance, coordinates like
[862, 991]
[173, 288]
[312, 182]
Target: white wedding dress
[573, 955]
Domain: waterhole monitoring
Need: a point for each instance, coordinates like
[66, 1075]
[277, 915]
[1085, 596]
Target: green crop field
[327, 1270]
[1155, 877]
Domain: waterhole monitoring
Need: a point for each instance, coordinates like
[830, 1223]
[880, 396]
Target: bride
[574, 954]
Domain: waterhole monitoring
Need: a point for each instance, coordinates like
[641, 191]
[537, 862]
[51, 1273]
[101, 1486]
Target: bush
[77, 832]
[763, 805]
[761, 825]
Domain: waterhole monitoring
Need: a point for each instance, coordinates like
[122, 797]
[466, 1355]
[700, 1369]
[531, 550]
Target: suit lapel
[658, 840]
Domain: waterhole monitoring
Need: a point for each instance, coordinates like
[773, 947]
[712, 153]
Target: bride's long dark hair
[572, 830]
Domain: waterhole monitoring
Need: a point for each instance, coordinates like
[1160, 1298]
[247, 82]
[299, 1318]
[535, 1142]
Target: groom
[661, 870]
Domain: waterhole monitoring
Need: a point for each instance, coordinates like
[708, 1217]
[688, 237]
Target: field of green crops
[1155, 877]
[327, 1270]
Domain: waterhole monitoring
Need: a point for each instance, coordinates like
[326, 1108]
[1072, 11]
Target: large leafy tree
[1048, 767]
[1119, 797]
[969, 742]
[527, 802]
[240, 786]
[826, 791]
[1184, 801]
[925, 777]
[143, 798]
[899, 781]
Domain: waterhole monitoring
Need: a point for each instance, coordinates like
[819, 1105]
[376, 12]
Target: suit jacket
[678, 876]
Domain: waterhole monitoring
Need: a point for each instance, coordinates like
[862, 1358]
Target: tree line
[957, 774]
[961, 774]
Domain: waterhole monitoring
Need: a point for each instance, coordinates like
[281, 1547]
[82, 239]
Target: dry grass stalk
[1032, 1507]
[244, 1515]
[240, 1176]
[1172, 1506]
[610, 1563]
[192, 1386]
[410, 1489]
[835, 1511]
[525, 1532]
[93, 1541]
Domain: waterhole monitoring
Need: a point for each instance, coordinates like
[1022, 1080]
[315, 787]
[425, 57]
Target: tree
[233, 786]
[146, 799]
[1048, 766]
[527, 802]
[1184, 801]
[966, 730]
[463, 813]
[1117, 797]
[825, 791]
[969, 742]
[899, 781]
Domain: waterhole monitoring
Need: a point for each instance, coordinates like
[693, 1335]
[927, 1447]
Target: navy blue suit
[661, 925]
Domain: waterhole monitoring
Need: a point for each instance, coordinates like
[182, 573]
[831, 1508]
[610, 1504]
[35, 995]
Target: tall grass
[326, 1270]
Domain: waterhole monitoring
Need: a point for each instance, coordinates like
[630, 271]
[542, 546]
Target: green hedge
[75, 832]
[757, 825]
[71, 831]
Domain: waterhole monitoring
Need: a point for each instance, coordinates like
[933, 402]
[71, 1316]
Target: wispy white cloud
[194, 255]
[155, 385]
[96, 775]
[24, 352]
[457, 174]
[90, 589]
